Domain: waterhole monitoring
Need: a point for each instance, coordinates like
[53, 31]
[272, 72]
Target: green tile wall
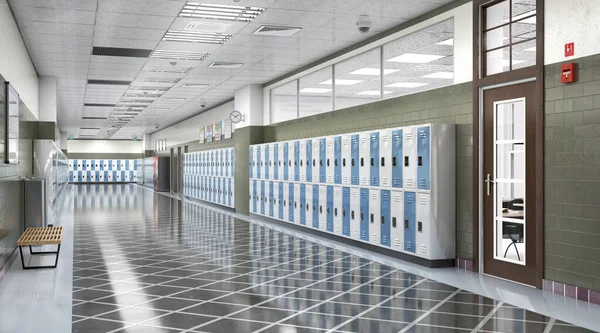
[452, 104]
[572, 175]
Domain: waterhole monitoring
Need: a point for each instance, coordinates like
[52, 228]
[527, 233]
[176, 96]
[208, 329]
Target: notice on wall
[209, 133]
[227, 129]
[201, 135]
[218, 132]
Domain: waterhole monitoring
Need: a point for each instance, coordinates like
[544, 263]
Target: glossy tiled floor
[144, 262]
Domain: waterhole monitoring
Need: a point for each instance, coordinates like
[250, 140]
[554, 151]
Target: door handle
[488, 183]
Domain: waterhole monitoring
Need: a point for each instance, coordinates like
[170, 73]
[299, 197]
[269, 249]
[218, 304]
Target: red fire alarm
[569, 49]
[567, 73]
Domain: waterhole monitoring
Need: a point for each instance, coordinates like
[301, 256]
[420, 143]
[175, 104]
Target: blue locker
[364, 214]
[254, 201]
[386, 218]
[83, 165]
[96, 176]
[281, 201]
[346, 211]
[118, 165]
[75, 166]
[355, 143]
[286, 161]
[219, 191]
[275, 160]
[79, 176]
[309, 159]
[231, 193]
[105, 176]
[374, 159]
[297, 161]
[110, 168]
[88, 175]
[423, 157]
[267, 161]
[409, 221]
[131, 176]
[122, 176]
[135, 164]
[397, 157]
[71, 175]
[251, 164]
[337, 143]
[303, 204]
[232, 162]
[270, 198]
[262, 198]
[291, 200]
[93, 165]
[330, 208]
[101, 165]
[127, 165]
[323, 160]
[315, 210]
[258, 162]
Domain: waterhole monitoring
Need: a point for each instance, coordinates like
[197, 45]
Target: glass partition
[316, 92]
[358, 80]
[285, 102]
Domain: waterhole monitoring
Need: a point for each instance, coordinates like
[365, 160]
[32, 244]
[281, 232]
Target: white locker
[296, 203]
[303, 160]
[281, 160]
[271, 161]
[424, 235]
[346, 159]
[375, 217]
[323, 207]
[397, 217]
[291, 160]
[337, 210]
[259, 197]
[226, 162]
[276, 202]
[409, 148]
[316, 153]
[330, 160]
[385, 158]
[355, 213]
[286, 203]
[267, 197]
[215, 161]
[263, 161]
[309, 205]
[365, 159]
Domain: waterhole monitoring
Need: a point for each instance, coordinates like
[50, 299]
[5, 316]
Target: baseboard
[208, 203]
[11, 259]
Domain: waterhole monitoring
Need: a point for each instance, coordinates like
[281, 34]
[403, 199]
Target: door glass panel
[524, 54]
[497, 61]
[497, 14]
[509, 177]
[497, 37]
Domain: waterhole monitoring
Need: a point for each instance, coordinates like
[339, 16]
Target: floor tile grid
[550, 325]
[487, 317]
[429, 311]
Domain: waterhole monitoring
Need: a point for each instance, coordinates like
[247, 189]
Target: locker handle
[352, 215]
[307, 207]
[314, 208]
[394, 162]
[320, 209]
[406, 224]
[335, 162]
[301, 163]
[372, 218]
[343, 212]
[393, 222]
[362, 161]
[295, 204]
[327, 162]
[344, 162]
[420, 160]
[362, 216]
[382, 220]
[352, 161]
[372, 161]
[406, 161]
[314, 162]
[328, 211]
[290, 163]
[383, 161]
[420, 226]
[320, 162]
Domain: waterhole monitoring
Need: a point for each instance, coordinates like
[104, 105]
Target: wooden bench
[37, 237]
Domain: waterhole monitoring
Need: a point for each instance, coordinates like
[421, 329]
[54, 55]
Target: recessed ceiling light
[439, 75]
[373, 92]
[374, 71]
[231, 65]
[315, 90]
[342, 82]
[446, 42]
[160, 109]
[221, 12]
[179, 55]
[195, 85]
[196, 37]
[167, 69]
[406, 85]
[413, 58]
[174, 99]
[531, 49]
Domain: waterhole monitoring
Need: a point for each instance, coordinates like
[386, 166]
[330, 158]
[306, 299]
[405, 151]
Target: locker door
[323, 207]
[365, 157]
[253, 197]
[70, 175]
[337, 160]
[272, 166]
[297, 205]
[385, 158]
[127, 166]
[409, 221]
[375, 217]
[296, 161]
[280, 201]
[364, 214]
[226, 162]
[346, 211]
[231, 192]
[315, 208]
[355, 213]
[251, 164]
[355, 159]
[330, 160]
[270, 192]
[323, 160]
[281, 162]
[385, 218]
[423, 225]
[374, 162]
[397, 158]
[259, 162]
[286, 202]
[74, 165]
[337, 210]
[346, 158]
[93, 165]
[423, 157]
[308, 207]
[291, 201]
[266, 161]
[286, 160]
[329, 226]
[217, 192]
[276, 202]
[302, 204]
[275, 159]
[409, 147]
[232, 162]
[302, 163]
[262, 197]
[268, 201]
[315, 160]
[309, 158]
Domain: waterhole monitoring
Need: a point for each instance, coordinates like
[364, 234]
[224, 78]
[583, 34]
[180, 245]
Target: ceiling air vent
[99, 105]
[121, 52]
[230, 65]
[273, 30]
[110, 82]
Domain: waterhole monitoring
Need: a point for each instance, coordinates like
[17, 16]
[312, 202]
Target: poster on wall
[227, 129]
[218, 128]
[201, 135]
[209, 133]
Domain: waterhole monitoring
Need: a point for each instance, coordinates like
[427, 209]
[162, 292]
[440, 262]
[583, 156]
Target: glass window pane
[285, 102]
[421, 61]
[524, 55]
[497, 61]
[358, 80]
[510, 240]
[523, 30]
[316, 92]
[497, 37]
[496, 15]
[522, 8]
[510, 121]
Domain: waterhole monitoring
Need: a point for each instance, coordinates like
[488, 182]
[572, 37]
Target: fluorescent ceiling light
[531, 49]
[413, 58]
[174, 99]
[196, 37]
[195, 85]
[406, 85]
[446, 42]
[373, 92]
[373, 71]
[342, 82]
[167, 69]
[161, 109]
[230, 65]
[315, 90]
[440, 75]
[179, 55]
[221, 12]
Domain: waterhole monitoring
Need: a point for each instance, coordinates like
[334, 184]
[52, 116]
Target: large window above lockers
[421, 61]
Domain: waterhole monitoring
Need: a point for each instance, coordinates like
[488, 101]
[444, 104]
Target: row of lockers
[393, 158]
[102, 165]
[218, 162]
[219, 190]
[404, 221]
[102, 176]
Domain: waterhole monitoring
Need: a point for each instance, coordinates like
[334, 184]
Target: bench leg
[57, 252]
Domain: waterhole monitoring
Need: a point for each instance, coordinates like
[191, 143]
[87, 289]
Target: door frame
[480, 84]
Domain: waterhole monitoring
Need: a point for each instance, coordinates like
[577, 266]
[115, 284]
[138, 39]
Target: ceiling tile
[152, 7]
[40, 14]
[133, 20]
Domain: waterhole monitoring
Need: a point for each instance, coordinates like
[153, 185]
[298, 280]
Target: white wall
[568, 21]
[104, 146]
[249, 101]
[15, 64]
[188, 130]
[47, 100]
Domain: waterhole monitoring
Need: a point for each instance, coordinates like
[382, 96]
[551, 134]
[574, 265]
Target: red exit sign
[569, 49]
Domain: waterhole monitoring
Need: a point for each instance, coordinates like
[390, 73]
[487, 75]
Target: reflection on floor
[144, 262]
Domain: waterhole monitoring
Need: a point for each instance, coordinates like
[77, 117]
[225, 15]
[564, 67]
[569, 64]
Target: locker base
[208, 203]
[440, 263]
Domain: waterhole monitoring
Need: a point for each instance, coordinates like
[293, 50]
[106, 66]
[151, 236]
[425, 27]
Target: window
[285, 102]
[358, 80]
[509, 36]
[316, 92]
